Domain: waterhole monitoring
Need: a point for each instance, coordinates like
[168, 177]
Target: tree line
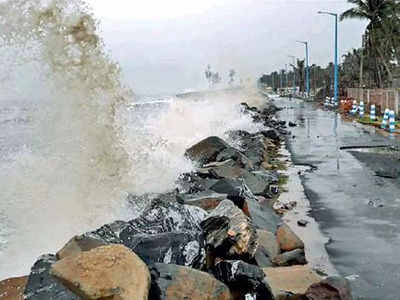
[374, 65]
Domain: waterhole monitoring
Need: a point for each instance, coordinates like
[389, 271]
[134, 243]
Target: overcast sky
[164, 46]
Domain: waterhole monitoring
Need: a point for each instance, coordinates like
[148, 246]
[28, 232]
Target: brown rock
[293, 280]
[79, 244]
[113, 272]
[173, 282]
[13, 288]
[287, 239]
[331, 288]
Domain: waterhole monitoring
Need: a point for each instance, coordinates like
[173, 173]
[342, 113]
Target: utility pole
[273, 82]
[307, 69]
[287, 78]
[336, 67]
[294, 73]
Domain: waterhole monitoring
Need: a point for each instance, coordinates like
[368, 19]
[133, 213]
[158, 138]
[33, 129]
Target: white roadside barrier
[392, 122]
[385, 119]
[361, 109]
[354, 108]
[372, 114]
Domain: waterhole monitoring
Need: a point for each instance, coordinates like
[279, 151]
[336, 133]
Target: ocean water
[74, 141]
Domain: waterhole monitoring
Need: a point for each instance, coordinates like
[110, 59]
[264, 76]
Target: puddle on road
[311, 235]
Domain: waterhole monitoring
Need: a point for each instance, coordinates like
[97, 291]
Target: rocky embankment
[215, 237]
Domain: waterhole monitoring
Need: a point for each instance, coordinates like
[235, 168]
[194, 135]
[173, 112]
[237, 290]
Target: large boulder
[181, 248]
[41, 285]
[261, 213]
[190, 183]
[13, 288]
[226, 169]
[292, 281]
[245, 281]
[206, 150]
[207, 200]
[166, 231]
[112, 272]
[173, 282]
[268, 248]
[267, 240]
[335, 288]
[163, 215]
[79, 244]
[259, 182]
[287, 239]
[290, 258]
[240, 159]
[229, 232]
[229, 186]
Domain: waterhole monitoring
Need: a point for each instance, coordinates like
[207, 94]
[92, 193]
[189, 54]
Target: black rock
[169, 281]
[244, 105]
[272, 134]
[302, 223]
[271, 109]
[291, 124]
[226, 169]
[243, 279]
[257, 182]
[207, 200]
[268, 177]
[207, 150]
[295, 257]
[283, 131]
[162, 215]
[180, 248]
[189, 183]
[41, 285]
[166, 231]
[109, 233]
[262, 258]
[231, 187]
[261, 213]
[241, 160]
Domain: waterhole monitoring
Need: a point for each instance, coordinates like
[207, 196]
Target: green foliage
[382, 36]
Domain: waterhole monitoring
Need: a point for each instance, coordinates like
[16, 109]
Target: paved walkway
[357, 210]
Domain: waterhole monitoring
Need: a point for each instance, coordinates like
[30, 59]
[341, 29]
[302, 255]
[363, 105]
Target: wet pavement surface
[358, 210]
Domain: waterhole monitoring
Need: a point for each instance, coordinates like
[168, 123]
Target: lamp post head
[327, 13]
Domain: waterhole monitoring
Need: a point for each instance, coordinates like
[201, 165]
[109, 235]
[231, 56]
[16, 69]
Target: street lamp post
[336, 70]
[287, 78]
[307, 69]
[294, 73]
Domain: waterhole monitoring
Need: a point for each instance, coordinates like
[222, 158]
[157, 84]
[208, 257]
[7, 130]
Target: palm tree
[379, 13]
[300, 70]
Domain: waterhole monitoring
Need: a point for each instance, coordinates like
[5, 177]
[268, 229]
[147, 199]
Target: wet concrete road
[357, 210]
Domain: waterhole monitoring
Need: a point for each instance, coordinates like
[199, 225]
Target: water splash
[88, 141]
[72, 170]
